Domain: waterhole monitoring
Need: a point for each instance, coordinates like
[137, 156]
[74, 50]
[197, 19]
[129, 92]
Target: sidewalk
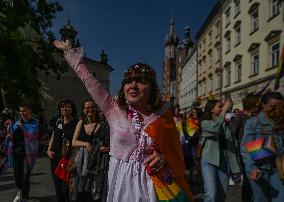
[42, 188]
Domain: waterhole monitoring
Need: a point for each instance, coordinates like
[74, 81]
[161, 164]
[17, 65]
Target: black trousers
[22, 173]
[61, 188]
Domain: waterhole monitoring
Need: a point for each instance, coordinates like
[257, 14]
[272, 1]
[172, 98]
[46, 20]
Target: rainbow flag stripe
[191, 127]
[256, 149]
[170, 192]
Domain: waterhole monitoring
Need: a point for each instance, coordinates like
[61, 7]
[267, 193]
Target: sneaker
[18, 197]
[231, 182]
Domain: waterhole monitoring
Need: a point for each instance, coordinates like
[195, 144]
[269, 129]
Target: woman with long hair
[219, 153]
[146, 161]
[92, 136]
[61, 137]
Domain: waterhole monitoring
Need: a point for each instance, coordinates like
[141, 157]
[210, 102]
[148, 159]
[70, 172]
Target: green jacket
[211, 131]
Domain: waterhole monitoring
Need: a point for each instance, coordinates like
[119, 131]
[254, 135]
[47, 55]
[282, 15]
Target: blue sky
[130, 31]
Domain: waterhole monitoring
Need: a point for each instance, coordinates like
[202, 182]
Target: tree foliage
[26, 49]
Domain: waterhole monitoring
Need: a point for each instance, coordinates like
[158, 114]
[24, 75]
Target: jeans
[22, 173]
[216, 180]
[268, 187]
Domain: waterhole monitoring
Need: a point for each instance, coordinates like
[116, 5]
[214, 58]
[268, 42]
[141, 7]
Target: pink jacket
[122, 132]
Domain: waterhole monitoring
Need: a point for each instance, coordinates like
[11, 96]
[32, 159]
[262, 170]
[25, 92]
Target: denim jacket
[255, 128]
[210, 142]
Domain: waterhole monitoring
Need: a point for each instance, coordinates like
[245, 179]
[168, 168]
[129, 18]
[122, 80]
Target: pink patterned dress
[130, 145]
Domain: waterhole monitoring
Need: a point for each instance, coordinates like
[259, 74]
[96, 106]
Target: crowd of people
[135, 147]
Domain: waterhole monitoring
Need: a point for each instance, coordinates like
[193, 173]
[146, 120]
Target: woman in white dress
[146, 162]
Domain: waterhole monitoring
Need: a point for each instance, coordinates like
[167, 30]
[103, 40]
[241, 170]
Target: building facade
[188, 83]
[209, 51]
[252, 37]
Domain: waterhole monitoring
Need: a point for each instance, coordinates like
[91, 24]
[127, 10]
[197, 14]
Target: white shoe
[18, 197]
[231, 182]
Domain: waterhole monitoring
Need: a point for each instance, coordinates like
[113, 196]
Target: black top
[63, 131]
[83, 136]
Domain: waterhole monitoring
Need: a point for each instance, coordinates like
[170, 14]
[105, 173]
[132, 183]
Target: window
[211, 83]
[204, 88]
[173, 89]
[205, 64]
[254, 21]
[200, 67]
[218, 80]
[218, 53]
[274, 8]
[238, 71]
[274, 54]
[255, 64]
[228, 75]
[210, 36]
[210, 59]
[200, 89]
[227, 17]
[218, 29]
[228, 43]
[237, 7]
[238, 34]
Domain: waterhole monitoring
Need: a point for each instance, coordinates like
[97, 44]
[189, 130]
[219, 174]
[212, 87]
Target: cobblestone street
[42, 189]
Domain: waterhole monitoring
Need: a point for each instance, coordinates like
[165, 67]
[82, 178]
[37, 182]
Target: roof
[99, 63]
[208, 19]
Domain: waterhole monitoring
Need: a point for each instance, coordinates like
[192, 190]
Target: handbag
[279, 161]
[72, 163]
[61, 170]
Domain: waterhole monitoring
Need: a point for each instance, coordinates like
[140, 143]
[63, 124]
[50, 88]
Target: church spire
[171, 36]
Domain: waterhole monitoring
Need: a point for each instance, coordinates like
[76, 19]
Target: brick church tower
[169, 63]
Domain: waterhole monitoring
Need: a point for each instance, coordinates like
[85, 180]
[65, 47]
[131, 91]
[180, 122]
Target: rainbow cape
[164, 134]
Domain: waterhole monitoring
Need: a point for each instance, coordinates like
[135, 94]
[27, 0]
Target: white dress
[129, 181]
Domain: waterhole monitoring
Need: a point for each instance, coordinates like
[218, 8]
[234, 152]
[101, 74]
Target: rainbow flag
[280, 71]
[191, 127]
[256, 149]
[170, 192]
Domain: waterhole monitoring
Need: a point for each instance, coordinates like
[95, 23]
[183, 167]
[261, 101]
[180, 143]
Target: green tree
[26, 48]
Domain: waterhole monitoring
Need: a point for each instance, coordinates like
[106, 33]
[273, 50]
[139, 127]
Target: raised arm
[74, 57]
